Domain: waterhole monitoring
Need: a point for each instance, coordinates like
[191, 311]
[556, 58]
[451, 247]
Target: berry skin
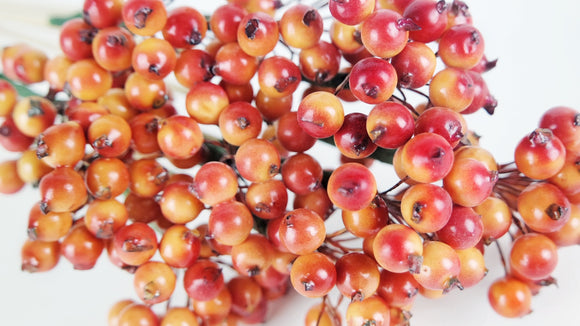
[225, 20]
[186, 27]
[62, 144]
[352, 140]
[469, 182]
[431, 16]
[351, 12]
[426, 207]
[257, 34]
[540, 155]
[179, 137]
[112, 48]
[75, 38]
[110, 135]
[461, 46]
[87, 80]
[533, 256]
[215, 182]
[39, 256]
[463, 230]
[32, 115]
[278, 76]
[384, 33]
[135, 243]
[415, 65]
[452, 88]
[154, 58]
[257, 160]
[102, 13]
[144, 17]
[370, 311]
[301, 26]
[320, 114]
[390, 125]
[440, 268]
[10, 182]
[154, 282]
[565, 124]
[302, 231]
[543, 207]
[230, 223]
[398, 249]
[496, 217]
[373, 80]
[510, 297]
[357, 275]
[352, 186]
[62, 190]
[178, 203]
[427, 157]
[81, 248]
[313, 275]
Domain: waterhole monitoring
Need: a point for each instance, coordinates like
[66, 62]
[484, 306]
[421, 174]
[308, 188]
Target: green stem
[22, 90]
[60, 20]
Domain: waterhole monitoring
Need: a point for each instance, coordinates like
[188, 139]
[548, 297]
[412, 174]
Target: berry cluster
[219, 193]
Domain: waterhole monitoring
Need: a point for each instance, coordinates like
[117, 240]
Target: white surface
[536, 43]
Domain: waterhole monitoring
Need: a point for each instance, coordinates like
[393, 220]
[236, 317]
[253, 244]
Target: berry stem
[395, 186]
[407, 105]
[502, 257]
[416, 91]
[340, 247]
[342, 84]
[322, 308]
[336, 233]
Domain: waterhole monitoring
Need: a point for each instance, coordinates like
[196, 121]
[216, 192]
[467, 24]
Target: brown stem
[336, 233]
[502, 257]
[395, 186]
[342, 85]
[322, 308]
[344, 250]
[406, 104]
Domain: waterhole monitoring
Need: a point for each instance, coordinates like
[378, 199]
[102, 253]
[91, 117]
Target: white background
[537, 46]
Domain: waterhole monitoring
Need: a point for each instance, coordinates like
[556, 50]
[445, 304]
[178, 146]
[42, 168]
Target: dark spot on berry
[194, 38]
[35, 109]
[5, 131]
[283, 83]
[555, 211]
[441, 6]
[475, 37]
[140, 17]
[116, 40]
[417, 209]
[308, 285]
[371, 91]
[309, 17]
[243, 122]
[160, 101]
[87, 35]
[154, 69]
[406, 79]
[252, 27]
[136, 245]
[576, 122]
[438, 153]
[102, 142]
